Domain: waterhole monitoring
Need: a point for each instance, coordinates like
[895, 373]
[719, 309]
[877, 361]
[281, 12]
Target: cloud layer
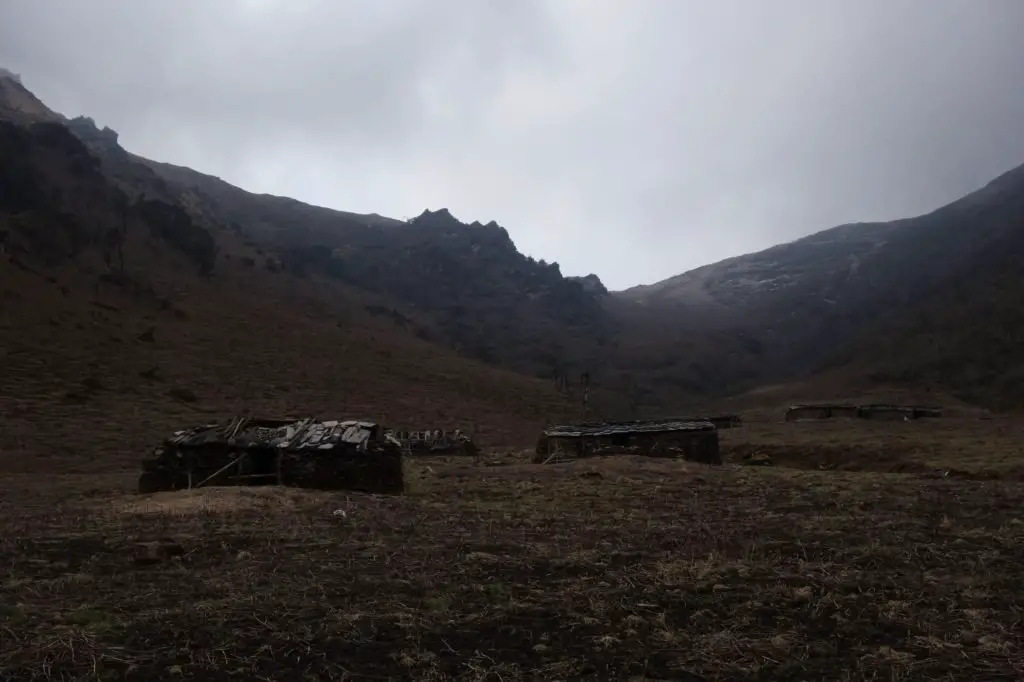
[633, 139]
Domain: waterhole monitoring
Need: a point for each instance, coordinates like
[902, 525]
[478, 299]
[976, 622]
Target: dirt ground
[615, 568]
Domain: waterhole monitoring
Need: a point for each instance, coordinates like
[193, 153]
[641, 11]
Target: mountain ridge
[785, 313]
[123, 317]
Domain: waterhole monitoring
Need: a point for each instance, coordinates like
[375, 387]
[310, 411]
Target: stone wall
[377, 470]
[373, 472]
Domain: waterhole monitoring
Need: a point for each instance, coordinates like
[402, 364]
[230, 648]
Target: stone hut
[308, 453]
[695, 441]
[820, 411]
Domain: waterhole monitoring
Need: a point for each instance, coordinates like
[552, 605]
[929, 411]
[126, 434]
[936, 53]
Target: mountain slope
[122, 317]
[966, 336]
[467, 285]
[856, 292]
[842, 298]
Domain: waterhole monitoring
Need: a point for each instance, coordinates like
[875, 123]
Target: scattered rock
[483, 558]
[148, 336]
[156, 552]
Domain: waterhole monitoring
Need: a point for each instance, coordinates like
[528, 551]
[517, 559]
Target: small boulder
[157, 552]
[758, 459]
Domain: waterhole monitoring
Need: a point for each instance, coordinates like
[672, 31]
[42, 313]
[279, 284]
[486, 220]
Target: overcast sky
[633, 138]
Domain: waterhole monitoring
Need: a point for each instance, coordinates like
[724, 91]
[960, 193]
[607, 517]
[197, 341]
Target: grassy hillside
[122, 319]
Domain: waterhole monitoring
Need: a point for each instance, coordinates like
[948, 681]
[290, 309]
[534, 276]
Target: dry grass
[609, 568]
[217, 500]
[982, 448]
[613, 568]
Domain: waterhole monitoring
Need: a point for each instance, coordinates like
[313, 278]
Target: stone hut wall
[885, 413]
[693, 446]
[844, 412]
[927, 412]
[702, 447]
[806, 413]
[181, 468]
[376, 471]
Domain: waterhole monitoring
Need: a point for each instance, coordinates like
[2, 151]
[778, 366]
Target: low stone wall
[434, 442]
[693, 446]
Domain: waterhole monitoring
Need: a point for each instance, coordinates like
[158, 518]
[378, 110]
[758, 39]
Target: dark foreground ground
[615, 568]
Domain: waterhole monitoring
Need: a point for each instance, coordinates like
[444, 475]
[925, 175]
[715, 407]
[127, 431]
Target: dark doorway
[260, 467]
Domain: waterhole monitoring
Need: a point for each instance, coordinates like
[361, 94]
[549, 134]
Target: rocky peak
[443, 221]
[591, 284]
[18, 104]
[89, 133]
[439, 219]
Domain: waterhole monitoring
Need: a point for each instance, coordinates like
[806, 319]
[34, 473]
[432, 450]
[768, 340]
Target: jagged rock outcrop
[87, 131]
[592, 284]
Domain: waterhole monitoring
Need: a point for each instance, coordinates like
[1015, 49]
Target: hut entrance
[259, 467]
[620, 440]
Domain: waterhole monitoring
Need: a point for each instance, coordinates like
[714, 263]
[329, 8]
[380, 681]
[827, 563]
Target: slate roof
[289, 434]
[823, 406]
[598, 429]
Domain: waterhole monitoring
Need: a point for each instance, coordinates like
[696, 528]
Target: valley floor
[609, 568]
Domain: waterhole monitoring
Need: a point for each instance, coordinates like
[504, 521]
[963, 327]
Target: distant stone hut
[434, 442]
[881, 412]
[821, 411]
[307, 453]
[695, 441]
[926, 412]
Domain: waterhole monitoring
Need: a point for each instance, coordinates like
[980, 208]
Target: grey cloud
[634, 139]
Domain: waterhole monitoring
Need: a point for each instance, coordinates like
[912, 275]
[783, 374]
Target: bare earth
[613, 568]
